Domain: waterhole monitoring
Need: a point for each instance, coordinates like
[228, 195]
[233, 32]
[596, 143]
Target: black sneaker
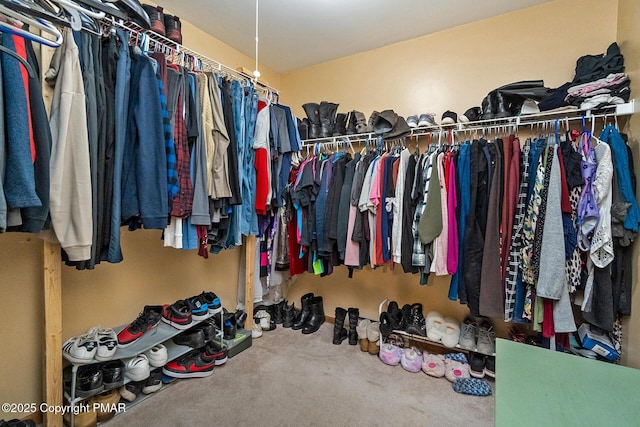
[230, 327]
[89, 380]
[113, 374]
[153, 383]
[216, 351]
[131, 391]
[476, 364]
[147, 320]
[208, 328]
[192, 338]
[191, 365]
[178, 315]
[212, 301]
[199, 309]
[490, 366]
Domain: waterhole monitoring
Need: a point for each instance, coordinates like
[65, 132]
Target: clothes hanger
[36, 22]
[28, 66]
[38, 9]
[109, 8]
[69, 6]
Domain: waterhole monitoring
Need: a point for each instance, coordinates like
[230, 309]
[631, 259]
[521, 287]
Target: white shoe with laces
[81, 349]
[107, 340]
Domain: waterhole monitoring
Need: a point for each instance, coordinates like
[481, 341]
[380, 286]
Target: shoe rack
[424, 340]
[161, 334]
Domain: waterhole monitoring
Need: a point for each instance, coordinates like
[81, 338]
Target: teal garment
[611, 136]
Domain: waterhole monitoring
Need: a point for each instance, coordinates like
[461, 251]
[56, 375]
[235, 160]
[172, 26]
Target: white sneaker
[82, 349]
[157, 355]
[107, 343]
[256, 330]
[265, 319]
[138, 368]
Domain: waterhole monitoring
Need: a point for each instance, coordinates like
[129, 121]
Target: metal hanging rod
[539, 119]
[184, 52]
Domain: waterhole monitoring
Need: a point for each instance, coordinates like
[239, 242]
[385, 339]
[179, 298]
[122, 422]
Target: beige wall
[112, 294]
[454, 70]
[629, 40]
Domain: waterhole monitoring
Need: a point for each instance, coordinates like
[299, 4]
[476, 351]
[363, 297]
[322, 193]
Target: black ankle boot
[328, 112]
[416, 323]
[303, 128]
[351, 123]
[278, 316]
[316, 318]
[305, 313]
[312, 110]
[502, 106]
[489, 106]
[341, 125]
[354, 314]
[288, 315]
[339, 332]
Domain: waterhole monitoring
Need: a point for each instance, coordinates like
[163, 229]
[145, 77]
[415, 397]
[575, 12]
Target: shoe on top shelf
[146, 320]
[427, 119]
[486, 343]
[107, 343]
[468, 331]
[451, 332]
[177, 315]
[81, 349]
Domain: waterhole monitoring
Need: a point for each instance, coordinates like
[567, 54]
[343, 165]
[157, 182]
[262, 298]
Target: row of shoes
[166, 25]
[454, 366]
[471, 335]
[181, 315]
[96, 377]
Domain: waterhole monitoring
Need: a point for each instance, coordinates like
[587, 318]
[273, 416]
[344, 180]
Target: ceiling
[298, 33]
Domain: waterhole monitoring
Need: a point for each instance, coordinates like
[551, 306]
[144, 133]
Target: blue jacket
[144, 165]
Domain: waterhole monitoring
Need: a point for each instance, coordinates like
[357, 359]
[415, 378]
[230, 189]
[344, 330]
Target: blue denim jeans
[237, 95]
[465, 200]
[121, 116]
[249, 217]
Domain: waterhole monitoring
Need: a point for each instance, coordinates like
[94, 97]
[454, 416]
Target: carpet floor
[290, 379]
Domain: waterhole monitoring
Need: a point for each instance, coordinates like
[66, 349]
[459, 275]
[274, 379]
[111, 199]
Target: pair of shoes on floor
[369, 336]
[340, 333]
[97, 344]
[437, 365]
[477, 336]
[312, 314]
[197, 363]
[482, 365]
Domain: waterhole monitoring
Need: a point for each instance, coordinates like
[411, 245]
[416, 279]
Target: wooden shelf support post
[53, 332]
